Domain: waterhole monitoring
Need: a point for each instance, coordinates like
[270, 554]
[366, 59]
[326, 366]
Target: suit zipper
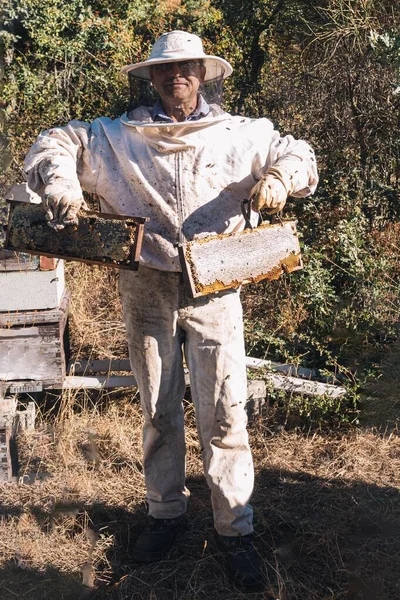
[182, 295]
[178, 179]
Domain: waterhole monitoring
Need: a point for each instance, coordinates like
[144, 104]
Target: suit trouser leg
[215, 354]
[150, 302]
[159, 318]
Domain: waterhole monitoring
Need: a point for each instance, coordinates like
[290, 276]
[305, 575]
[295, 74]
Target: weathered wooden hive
[33, 298]
[33, 333]
[33, 317]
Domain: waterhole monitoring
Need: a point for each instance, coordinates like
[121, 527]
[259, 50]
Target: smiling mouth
[175, 83]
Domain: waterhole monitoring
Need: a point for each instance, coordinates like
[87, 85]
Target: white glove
[271, 191]
[62, 202]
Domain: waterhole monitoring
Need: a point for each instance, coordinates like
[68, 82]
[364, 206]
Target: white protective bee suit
[189, 179]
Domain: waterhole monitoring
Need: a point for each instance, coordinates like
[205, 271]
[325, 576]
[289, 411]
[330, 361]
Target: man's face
[178, 82]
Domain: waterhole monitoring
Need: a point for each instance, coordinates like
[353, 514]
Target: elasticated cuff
[284, 176]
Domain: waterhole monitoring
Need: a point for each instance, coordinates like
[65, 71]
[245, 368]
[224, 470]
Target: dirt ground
[327, 514]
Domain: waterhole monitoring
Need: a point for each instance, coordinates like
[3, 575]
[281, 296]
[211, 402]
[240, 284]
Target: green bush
[326, 72]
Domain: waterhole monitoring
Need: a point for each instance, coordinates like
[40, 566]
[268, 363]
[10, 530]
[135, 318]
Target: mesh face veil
[143, 93]
[212, 89]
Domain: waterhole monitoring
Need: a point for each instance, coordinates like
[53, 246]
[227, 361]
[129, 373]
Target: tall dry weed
[96, 324]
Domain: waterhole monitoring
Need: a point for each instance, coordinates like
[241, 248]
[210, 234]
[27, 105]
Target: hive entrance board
[99, 238]
[225, 261]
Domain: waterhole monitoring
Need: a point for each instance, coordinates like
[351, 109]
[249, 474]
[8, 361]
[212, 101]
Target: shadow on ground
[380, 401]
[319, 539]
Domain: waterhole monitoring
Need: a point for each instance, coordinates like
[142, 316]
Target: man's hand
[62, 203]
[272, 190]
[269, 193]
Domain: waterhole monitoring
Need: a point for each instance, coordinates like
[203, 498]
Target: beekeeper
[186, 165]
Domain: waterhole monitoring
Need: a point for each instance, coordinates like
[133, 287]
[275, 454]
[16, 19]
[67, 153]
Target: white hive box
[24, 285]
[29, 282]
[20, 192]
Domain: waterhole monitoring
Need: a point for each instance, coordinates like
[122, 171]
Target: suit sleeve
[66, 154]
[294, 158]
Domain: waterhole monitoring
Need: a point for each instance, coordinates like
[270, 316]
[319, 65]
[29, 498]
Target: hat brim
[213, 65]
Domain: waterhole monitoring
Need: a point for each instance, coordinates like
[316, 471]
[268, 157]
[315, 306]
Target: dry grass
[327, 509]
[96, 326]
[327, 514]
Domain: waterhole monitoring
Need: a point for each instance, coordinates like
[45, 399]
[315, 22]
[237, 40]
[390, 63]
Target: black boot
[157, 538]
[242, 562]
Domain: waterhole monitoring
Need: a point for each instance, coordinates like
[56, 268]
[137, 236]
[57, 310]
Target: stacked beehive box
[33, 317]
